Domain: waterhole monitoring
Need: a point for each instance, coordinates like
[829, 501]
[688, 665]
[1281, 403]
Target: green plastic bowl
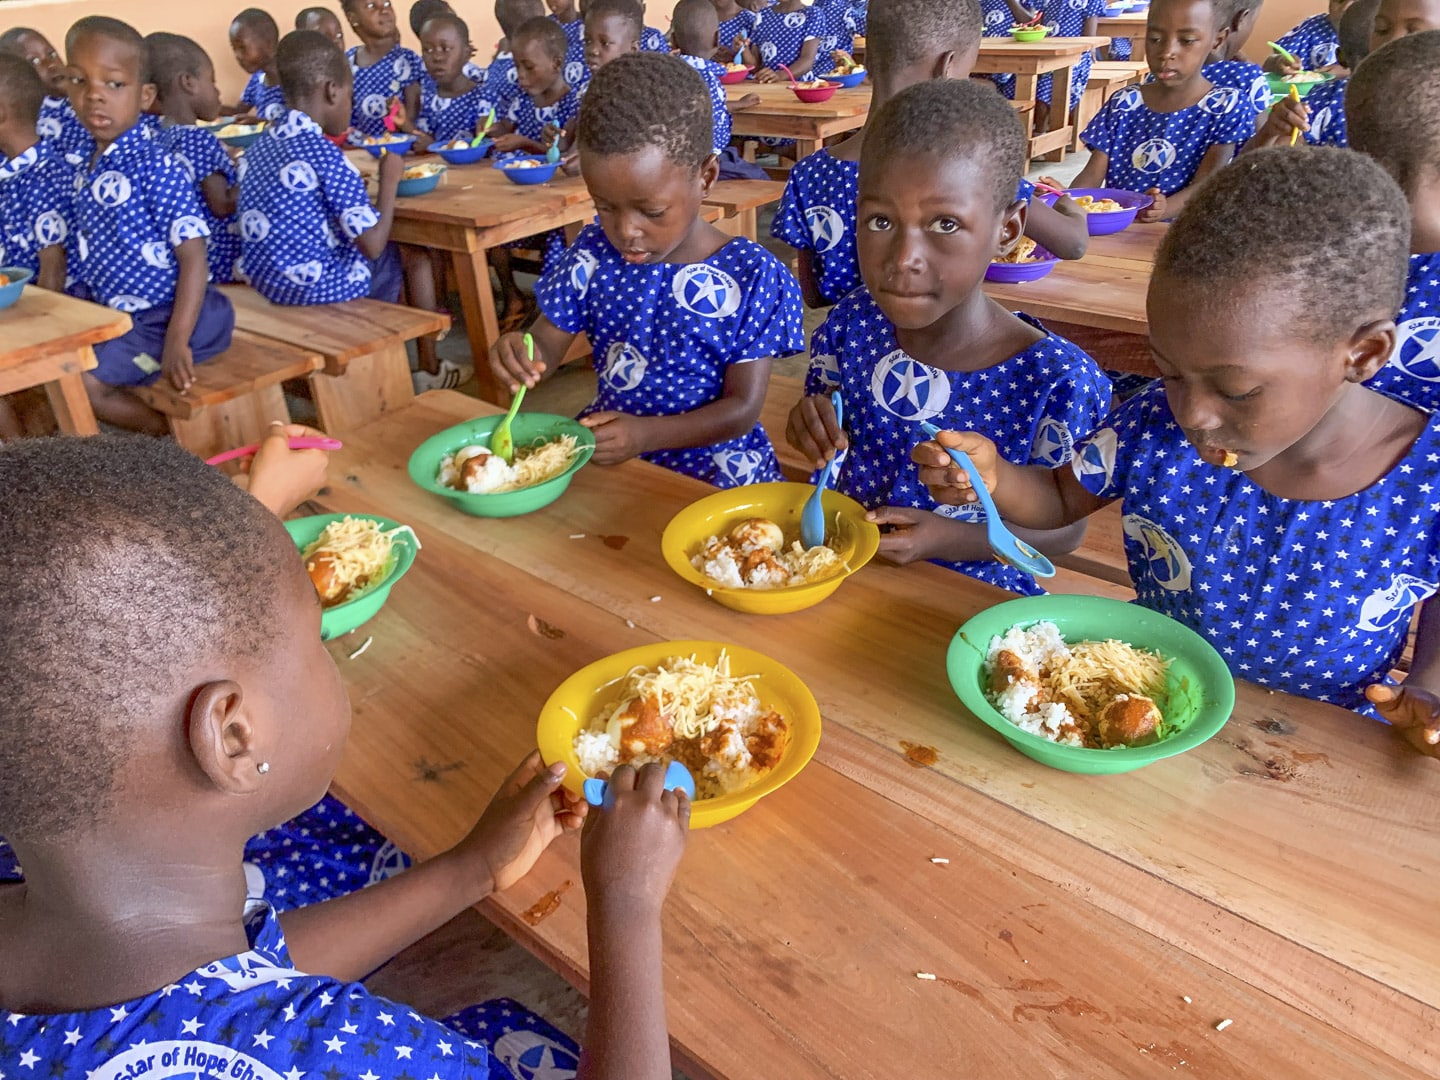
[342, 618]
[1029, 35]
[526, 429]
[1280, 85]
[1198, 700]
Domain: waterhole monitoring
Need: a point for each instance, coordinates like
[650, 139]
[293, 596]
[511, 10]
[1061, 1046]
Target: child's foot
[447, 376]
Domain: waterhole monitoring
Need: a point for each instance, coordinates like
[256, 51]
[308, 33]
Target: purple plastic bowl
[1014, 273]
[1112, 221]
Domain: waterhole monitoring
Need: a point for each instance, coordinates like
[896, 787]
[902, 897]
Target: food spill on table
[614, 540]
[546, 906]
[541, 628]
[918, 755]
[429, 772]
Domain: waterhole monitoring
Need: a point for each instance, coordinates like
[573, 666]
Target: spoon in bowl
[676, 776]
[812, 515]
[1008, 547]
[502, 444]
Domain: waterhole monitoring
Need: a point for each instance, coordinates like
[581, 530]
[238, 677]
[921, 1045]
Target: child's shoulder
[824, 170]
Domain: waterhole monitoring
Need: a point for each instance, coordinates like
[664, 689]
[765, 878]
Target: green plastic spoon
[501, 443]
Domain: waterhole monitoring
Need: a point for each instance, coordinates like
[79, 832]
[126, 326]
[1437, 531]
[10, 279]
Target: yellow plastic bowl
[591, 688]
[857, 541]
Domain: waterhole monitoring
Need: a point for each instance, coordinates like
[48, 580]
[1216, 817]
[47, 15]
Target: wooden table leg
[482, 322]
[1060, 108]
[71, 404]
[805, 147]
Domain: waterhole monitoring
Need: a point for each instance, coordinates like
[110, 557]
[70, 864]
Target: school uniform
[576, 72]
[500, 85]
[1315, 43]
[839, 28]
[740, 25]
[780, 37]
[995, 22]
[202, 155]
[1148, 149]
[266, 99]
[37, 191]
[302, 207]
[710, 71]
[1245, 78]
[530, 119]
[377, 84]
[664, 336]
[447, 118]
[59, 125]
[472, 70]
[1310, 597]
[1066, 18]
[252, 1014]
[1413, 371]
[1326, 104]
[133, 206]
[652, 40]
[1033, 405]
[1121, 48]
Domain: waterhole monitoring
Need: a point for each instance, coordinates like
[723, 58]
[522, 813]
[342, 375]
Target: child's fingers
[894, 515]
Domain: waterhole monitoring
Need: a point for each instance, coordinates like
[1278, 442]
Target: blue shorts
[386, 276]
[735, 167]
[134, 360]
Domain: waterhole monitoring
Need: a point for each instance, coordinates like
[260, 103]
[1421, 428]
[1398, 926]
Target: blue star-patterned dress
[302, 206]
[817, 214]
[530, 119]
[740, 25]
[268, 101]
[839, 28]
[1413, 370]
[1326, 104]
[202, 155]
[1314, 42]
[576, 73]
[59, 125]
[781, 35]
[377, 84]
[447, 118]
[664, 335]
[1163, 150]
[1121, 48]
[1313, 598]
[135, 200]
[652, 40]
[37, 191]
[254, 1016]
[500, 85]
[710, 71]
[1245, 78]
[1066, 18]
[1033, 406]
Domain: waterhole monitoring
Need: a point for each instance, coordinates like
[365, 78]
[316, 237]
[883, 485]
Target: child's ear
[1012, 227]
[943, 63]
[1223, 33]
[147, 96]
[1370, 347]
[188, 82]
[223, 741]
[709, 173]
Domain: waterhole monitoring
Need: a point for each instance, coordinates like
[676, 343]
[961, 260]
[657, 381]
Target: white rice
[1038, 646]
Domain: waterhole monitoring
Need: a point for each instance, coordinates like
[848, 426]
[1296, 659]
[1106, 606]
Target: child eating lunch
[322, 20]
[210, 712]
[500, 84]
[1272, 503]
[452, 104]
[253, 37]
[386, 75]
[1167, 135]
[695, 29]
[683, 320]
[921, 341]
[789, 35]
[1313, 44]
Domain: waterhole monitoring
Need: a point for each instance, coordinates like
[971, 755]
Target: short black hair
[950, 118]
[648, 99]
[1392, 107]
[903, 32]
[21, 88]
[126, 561]
[423, 10]
[12, 40]
[695, 23]
[545, 32]
[306, 60]
[258, 22]
[1356, 26]
[629, 11]
[173, 55]
[306, 14]
[1324, 227]
[449, 18]
[115, 30]
[512, 14]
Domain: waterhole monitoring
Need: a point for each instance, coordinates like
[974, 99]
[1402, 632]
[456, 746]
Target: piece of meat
[321, 568]
[1008, 668]
[1128, 720]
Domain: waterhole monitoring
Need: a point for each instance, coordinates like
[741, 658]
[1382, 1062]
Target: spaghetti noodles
[348, 557]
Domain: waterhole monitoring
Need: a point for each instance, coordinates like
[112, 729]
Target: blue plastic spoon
[812, 516]
[1008, 547]
[553, 154]
[676, 776]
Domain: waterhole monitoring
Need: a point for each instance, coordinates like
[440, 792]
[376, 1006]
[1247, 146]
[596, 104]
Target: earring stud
[263, 767]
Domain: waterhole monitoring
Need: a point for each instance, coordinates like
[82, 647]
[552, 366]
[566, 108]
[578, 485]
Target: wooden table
[1131, 25]
[1027, 61]
[782, 115]
[1282, 876]
[1132, 248]
[47, 339]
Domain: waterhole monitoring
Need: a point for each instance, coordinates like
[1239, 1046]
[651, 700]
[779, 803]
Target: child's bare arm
[220, 196]
[916, 535]
[806, 60]
[1030, 496]
[1093, 174]
[1286, 117]
[512, 361]
[176, 362]
[1062, 232]
[1166, 207]
[1413, 708]
[373, 240]
[1020, 12]
[52, 268]
[809, 286]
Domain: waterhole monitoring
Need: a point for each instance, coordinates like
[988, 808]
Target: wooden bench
[780, 397]
[365, 371]
[235, 395]
[1106, 77]
[740, 201]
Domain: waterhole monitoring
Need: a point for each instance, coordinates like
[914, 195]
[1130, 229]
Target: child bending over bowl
[1272, 502]
[683, 319]
[920, 340]
[210, 712]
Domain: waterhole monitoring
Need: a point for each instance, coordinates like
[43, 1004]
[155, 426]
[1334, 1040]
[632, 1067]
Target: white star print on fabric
[204, 155]
[298, 199]
[1313, 598]
[1413, 370]
[742, 24]
[267, 101]
[1314, 41]
[1152, 149]
[36, 204]
[385, 79]
[780, 37]
[652, 40]
[1029, 405]
[530, 119]
[283, 1023]
[664, 335]
[134, 194]
[710, 71]
[447, 118]
[1326, 104]
[1066, 18]
[59, 125]
[499, 85]
[1247, 79]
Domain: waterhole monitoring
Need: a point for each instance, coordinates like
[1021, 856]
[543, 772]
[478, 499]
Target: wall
[209, 24]
[1277, 16]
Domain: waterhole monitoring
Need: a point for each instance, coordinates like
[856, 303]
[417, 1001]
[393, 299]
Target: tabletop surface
[1281, 876]
[43, 322]
[1050, 46]
[778, 99]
